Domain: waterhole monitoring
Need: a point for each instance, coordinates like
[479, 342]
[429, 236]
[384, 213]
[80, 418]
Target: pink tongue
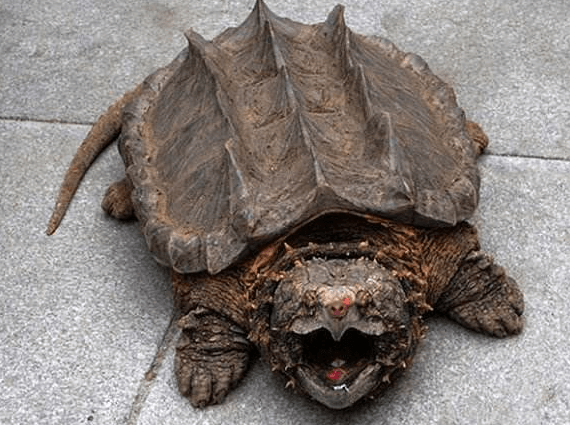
[336, 374]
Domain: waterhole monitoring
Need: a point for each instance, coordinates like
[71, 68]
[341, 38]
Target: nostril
[339, 308]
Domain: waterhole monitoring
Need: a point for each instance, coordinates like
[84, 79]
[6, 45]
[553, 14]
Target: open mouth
[338, 373]
[337, 363]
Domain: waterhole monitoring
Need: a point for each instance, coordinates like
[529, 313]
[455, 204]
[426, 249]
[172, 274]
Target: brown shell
[246, 137]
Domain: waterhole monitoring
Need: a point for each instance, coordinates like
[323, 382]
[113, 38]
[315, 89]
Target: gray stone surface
[78, 327]
[84, 314]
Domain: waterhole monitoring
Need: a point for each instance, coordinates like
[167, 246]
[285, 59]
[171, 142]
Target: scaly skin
[439, 269]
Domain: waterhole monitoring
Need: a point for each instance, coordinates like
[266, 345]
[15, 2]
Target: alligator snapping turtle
[308, 187]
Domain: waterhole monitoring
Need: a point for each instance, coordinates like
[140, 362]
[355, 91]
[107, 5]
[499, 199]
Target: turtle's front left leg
[482, 297]
[212, 356]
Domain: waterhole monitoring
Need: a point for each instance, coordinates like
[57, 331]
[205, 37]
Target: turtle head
[340, 329]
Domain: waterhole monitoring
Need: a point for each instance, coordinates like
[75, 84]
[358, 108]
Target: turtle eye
[363, 298]
[310, 299]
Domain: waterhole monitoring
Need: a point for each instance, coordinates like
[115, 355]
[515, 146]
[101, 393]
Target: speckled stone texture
[85, 323]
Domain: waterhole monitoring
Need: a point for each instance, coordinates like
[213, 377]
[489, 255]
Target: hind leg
[117, 201]
[478, 136]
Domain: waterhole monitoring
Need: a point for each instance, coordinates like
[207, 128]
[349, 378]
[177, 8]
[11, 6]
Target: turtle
[310, 190]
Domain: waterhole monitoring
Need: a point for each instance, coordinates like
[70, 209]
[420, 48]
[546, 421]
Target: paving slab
[78, 327]
[86, 313]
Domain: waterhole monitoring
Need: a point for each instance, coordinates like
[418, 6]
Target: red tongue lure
[336, 374]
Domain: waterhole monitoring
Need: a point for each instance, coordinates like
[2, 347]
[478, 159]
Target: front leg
[212, 356]
[480, 296]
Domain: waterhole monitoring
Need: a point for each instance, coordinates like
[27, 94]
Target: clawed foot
[483, 298]
[478, 136]
[117, 201]
[211, 357]
[499, 314]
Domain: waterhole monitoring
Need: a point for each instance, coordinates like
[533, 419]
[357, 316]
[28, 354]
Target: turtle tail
[102, 134]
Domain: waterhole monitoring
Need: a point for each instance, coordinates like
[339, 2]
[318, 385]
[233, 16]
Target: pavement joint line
[45, 121]
[150, 375]
[86, 123]
[525, 156]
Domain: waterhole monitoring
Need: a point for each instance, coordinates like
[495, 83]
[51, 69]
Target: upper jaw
[337, 327]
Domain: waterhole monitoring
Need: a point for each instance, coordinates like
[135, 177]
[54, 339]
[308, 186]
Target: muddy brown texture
[348, 290]
[308, 187]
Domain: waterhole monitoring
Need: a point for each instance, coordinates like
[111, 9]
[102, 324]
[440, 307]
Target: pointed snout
[338, 308]
[339, 314]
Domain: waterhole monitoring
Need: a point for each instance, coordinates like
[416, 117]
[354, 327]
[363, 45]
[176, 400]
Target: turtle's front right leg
[212, 356]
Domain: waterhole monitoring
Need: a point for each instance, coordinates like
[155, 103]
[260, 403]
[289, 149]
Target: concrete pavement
[85, 327]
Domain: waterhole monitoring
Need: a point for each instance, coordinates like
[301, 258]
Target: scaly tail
[102, 134]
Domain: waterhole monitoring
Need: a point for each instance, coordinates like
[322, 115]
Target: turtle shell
[244, 138]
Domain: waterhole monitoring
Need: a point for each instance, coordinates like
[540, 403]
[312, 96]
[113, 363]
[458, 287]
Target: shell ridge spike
[364, 90]
[288, 87]
[269, 34]
[196, 42]
[381, 133]
[240, 194]
[306, 137]
[341, 36]
[197, 46]
[262, 12]
[336, 16]
[393, 145]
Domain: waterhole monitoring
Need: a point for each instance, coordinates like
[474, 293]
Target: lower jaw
[341, 395]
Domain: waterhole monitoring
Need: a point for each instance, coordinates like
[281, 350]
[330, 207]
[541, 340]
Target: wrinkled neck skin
[337, 320]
